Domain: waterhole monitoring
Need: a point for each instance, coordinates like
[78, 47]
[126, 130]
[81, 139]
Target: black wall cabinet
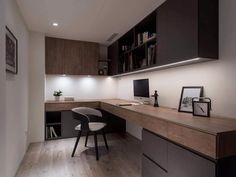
[113, 56]
[187, 29]
[176, 31]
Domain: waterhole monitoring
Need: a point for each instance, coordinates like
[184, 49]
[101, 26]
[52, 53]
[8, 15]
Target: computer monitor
[141, 89]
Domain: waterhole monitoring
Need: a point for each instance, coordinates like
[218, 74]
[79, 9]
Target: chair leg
[96, 145]
[86, 140]
[76, 143]
[105, 139]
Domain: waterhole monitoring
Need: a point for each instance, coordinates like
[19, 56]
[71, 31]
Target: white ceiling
[88, 20]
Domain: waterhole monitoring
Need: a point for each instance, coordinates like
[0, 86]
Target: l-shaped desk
[213, 138]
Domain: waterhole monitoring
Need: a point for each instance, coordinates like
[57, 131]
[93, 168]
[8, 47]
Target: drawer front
[155, 148]
[184, 163]
[150, 169]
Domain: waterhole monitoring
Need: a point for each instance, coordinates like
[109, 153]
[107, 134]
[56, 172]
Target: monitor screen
[141, 88]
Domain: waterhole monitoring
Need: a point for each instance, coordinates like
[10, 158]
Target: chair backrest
[82, 114]
[87, 111]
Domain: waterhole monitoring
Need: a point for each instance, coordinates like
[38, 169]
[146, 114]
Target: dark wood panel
[226, 167]
[81, 58]
[225, 145]
[177, 31]
[54, 55]
[183, 163]
[66, 106]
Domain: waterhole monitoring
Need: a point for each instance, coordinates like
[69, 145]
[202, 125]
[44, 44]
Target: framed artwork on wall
[187, 94]
[11, 52]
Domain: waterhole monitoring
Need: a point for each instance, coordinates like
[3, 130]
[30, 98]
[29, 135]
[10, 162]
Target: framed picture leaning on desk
[185, 103]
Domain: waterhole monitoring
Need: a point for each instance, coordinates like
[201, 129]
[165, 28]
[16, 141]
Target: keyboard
[128, 104]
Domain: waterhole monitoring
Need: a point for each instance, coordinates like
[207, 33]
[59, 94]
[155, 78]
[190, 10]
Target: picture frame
[201, 106]
[11, 52]
[187, 93]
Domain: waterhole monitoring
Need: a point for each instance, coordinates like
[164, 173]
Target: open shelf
[53, 125]
[135, 46]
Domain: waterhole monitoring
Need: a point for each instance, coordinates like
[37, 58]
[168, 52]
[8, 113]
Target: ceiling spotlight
[54, 24]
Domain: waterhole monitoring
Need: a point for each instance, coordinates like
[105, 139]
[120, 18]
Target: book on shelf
[145, 36]
[51, 133]
[130, 62]
[123, 67]
[140, 39]
[144, 63]
[151, 54]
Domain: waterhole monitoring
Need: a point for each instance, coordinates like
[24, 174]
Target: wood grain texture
[203, 143]
[54, 55]
[53, 158]
[71, 57]
[81, 58]
[213, 137]
[65, 106]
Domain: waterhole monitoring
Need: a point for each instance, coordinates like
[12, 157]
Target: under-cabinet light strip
[163, 66]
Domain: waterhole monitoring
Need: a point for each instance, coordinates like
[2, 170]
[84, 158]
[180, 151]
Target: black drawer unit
[150, 169]
[155, 148]
[183, 163]
[163, 158]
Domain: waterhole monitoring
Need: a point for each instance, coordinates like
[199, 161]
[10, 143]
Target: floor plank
[53, 158]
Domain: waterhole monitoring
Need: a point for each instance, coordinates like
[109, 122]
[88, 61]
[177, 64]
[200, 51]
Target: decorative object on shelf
[185, 103]
[11, 52]
[57, 95]
[156, 99]
[103, 67]
[201, 106]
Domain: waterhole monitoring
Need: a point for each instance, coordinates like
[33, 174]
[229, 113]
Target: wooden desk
[212, 137]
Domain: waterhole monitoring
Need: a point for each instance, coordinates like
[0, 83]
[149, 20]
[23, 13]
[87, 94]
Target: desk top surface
[212, 125]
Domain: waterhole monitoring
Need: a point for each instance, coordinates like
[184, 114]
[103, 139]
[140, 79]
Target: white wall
[36, 87]
[81, 87]
[16, 93]
[2, 91]
[217, 77]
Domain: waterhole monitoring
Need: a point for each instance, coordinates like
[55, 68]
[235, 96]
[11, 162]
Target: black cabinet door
[68, 125]
[155, 148]
[183, 163]
[150, 169]
[177, 31]
[113, 56]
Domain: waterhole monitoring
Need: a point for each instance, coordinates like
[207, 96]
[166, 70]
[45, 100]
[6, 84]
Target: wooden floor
[53, 158]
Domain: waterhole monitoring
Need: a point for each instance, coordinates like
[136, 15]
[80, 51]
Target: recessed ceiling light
[54, 24]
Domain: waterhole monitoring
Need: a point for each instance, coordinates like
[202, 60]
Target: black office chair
[90, 122]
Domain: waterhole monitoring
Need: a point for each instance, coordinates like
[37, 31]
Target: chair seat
[93, 126]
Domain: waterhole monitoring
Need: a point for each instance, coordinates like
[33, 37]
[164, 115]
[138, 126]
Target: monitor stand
[142, 100]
